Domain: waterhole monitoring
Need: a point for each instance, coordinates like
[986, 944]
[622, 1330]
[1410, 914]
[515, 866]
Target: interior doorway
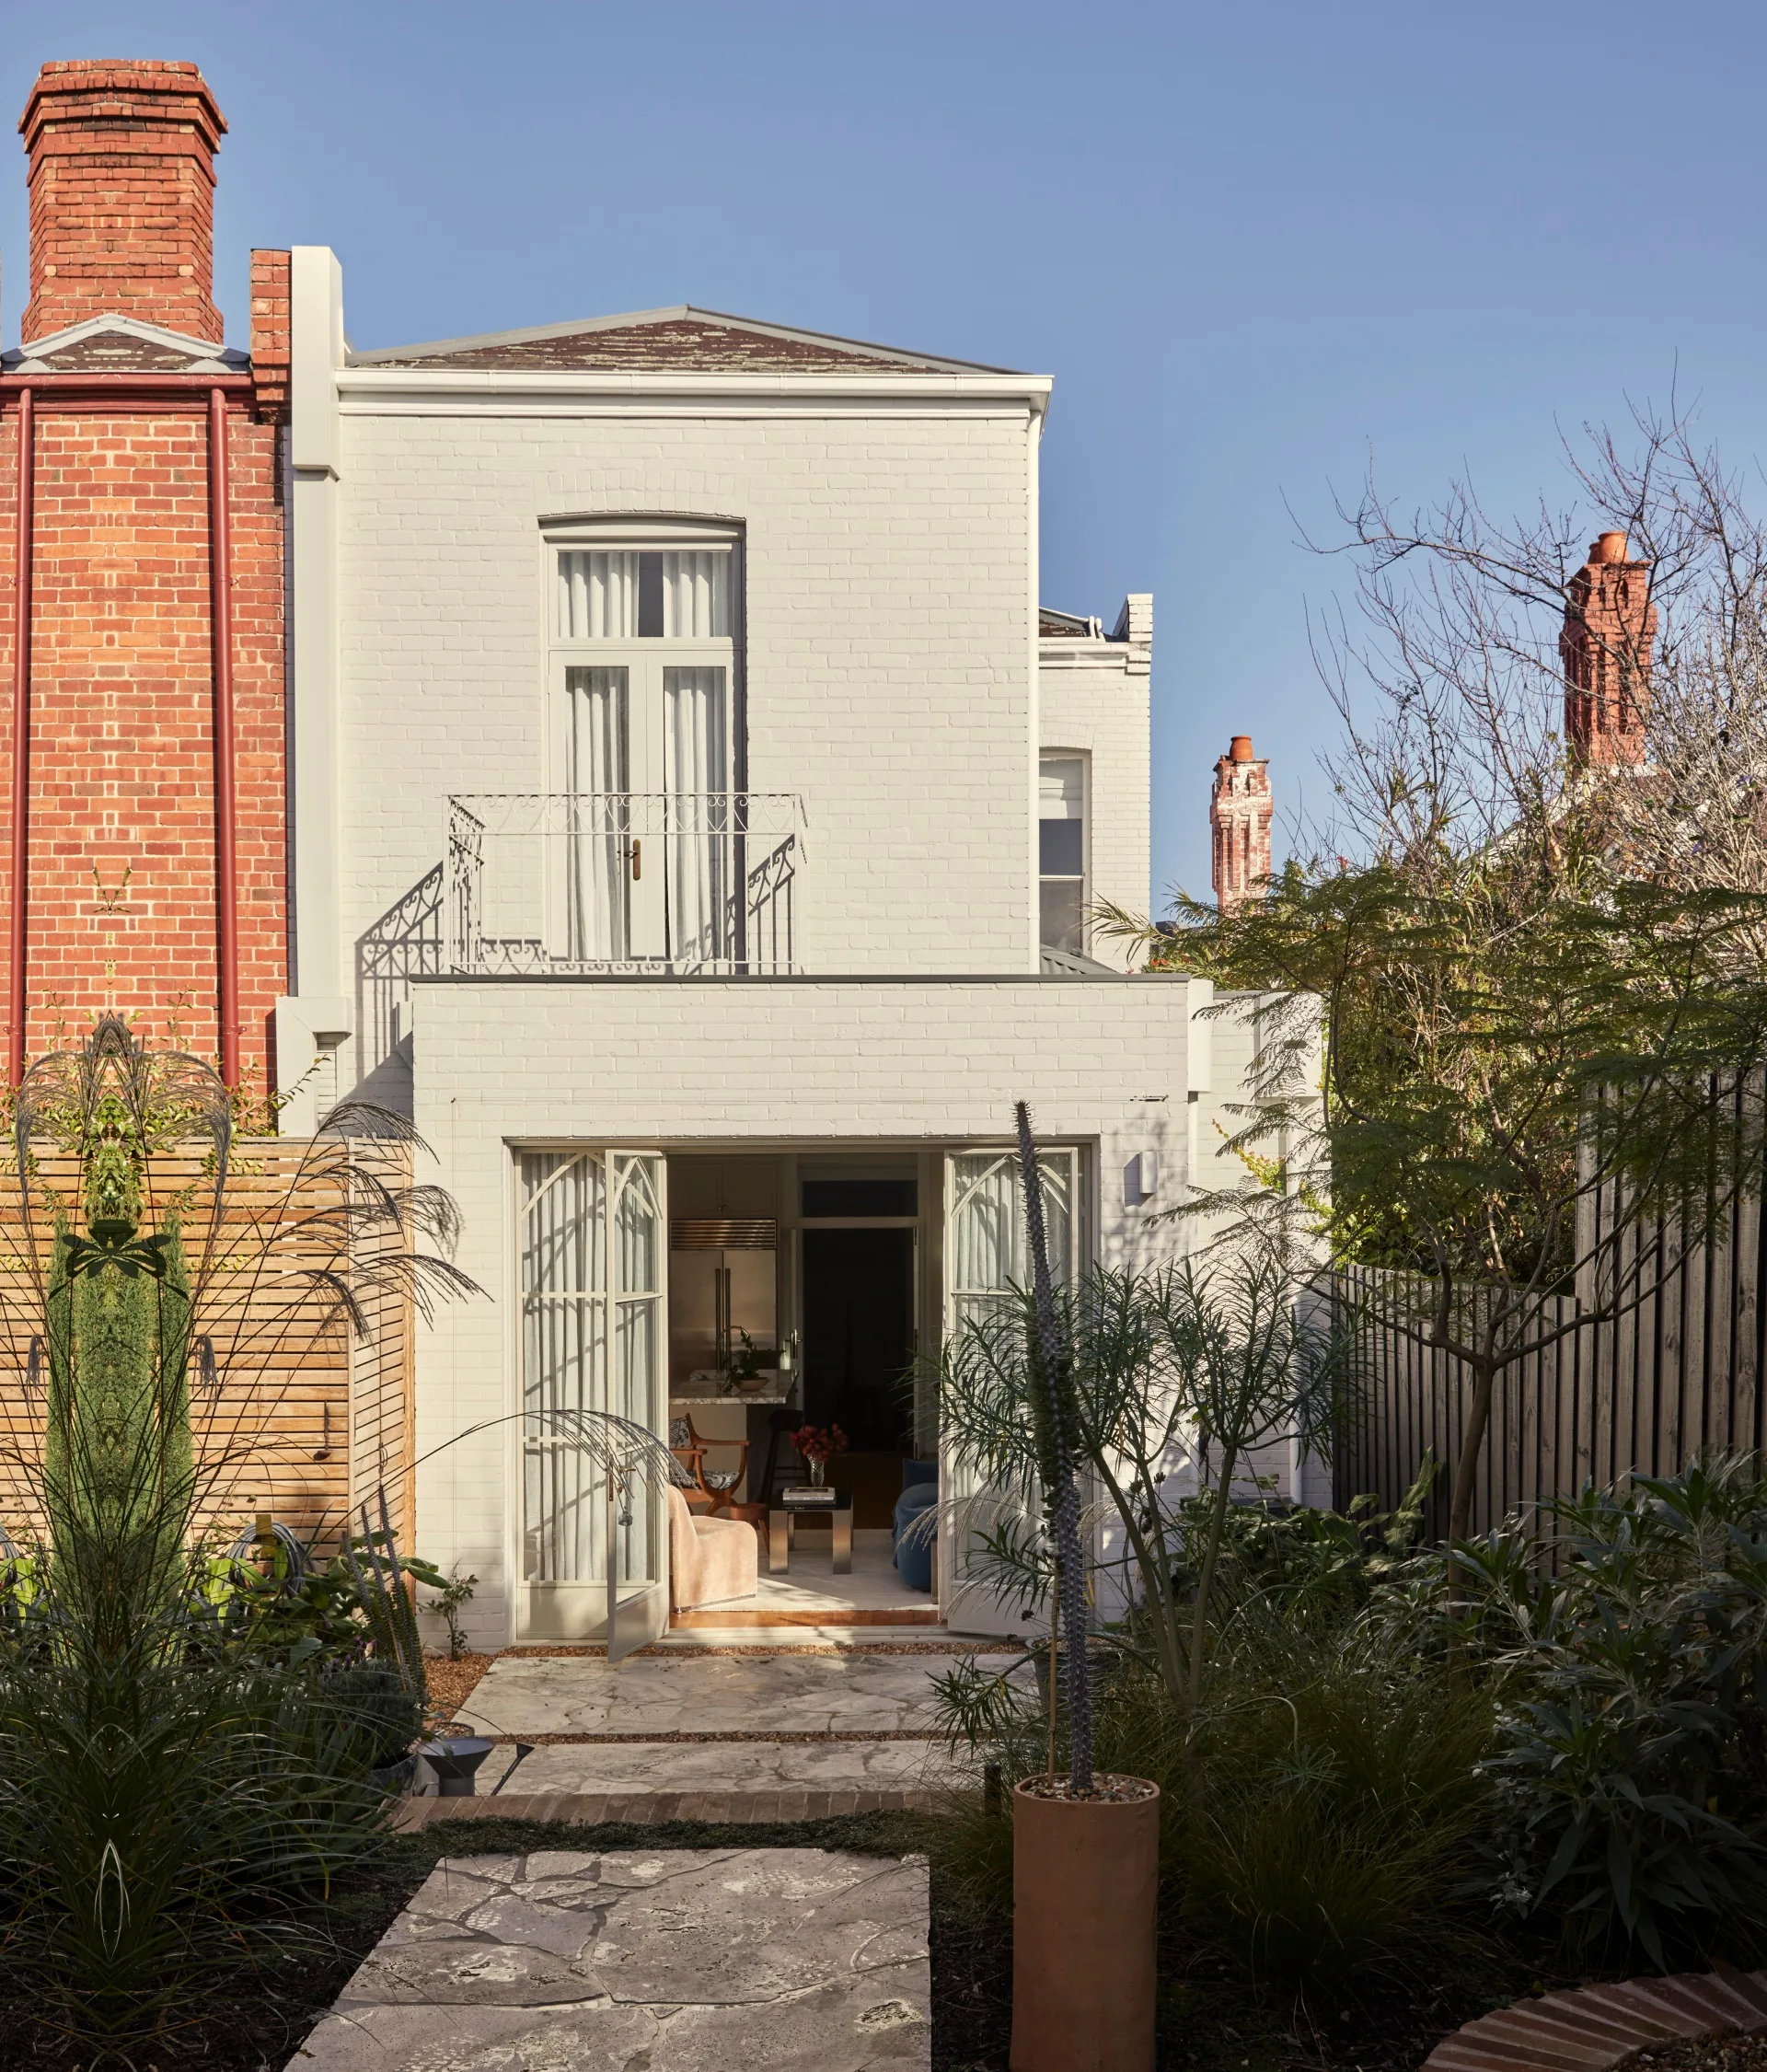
[859, 1349]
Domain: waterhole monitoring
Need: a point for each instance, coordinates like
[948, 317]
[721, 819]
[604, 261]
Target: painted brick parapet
[122, 196]
[1594, 2027]
[1135, 628]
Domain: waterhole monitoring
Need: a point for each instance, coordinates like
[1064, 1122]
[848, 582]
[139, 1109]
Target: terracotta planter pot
[1085, 1882]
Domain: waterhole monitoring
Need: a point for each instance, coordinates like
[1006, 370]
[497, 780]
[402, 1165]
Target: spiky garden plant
[1056, 1419]
[172, 1801]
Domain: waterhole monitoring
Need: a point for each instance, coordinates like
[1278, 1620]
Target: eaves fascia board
[1062, 649]
[468, 383]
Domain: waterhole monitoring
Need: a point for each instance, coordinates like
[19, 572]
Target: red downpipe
[220, 625]
[20, 739]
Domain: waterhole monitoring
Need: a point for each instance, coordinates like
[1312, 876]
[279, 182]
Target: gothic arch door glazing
[594, 1260]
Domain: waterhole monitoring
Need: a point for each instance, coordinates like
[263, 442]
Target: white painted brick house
[696, 823]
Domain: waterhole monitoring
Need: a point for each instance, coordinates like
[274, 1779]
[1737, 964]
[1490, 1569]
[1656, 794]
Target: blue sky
[1255, 245]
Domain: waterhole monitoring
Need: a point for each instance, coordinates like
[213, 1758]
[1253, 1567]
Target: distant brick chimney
[122, 196]
[1605, 648]
[1240, 813]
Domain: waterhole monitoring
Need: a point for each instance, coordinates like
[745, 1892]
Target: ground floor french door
[593, 1421]
[986, 1258]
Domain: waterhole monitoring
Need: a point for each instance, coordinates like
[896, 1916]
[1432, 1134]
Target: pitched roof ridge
[634, 320]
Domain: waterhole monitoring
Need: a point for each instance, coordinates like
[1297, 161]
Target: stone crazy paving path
[647, 1696]
[644, 1960]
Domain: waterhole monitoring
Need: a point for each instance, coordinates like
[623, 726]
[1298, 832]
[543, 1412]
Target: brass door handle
[638, 858]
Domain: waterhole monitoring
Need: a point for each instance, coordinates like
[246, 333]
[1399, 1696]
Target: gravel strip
[615, 1741]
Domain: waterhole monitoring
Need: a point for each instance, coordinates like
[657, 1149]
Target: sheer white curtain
[638, 1334]
[597, 596]
[987, 1246]
[596, 767]
[695, 596]
[564, 1361]
[696, 759]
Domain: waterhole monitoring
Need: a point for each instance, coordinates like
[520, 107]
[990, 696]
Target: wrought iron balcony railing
[591, 882]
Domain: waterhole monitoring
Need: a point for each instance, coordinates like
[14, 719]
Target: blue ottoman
[914, 1542]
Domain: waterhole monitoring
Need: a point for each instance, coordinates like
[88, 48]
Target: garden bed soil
[453, 1682]
[1210, 2020]
[1708, 2054]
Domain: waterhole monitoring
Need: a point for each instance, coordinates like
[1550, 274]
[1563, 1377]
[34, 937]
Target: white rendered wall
[889, 560]
[1094, 697]
[687, 1065]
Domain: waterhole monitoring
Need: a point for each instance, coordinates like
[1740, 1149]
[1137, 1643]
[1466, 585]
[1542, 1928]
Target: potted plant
[1085, 1845]
[819, 1445]
[743, 1372]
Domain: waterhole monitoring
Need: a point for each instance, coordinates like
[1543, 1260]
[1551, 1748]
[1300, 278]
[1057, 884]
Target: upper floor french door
[643, 746]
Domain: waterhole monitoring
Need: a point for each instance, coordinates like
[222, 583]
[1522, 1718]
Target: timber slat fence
[313, 1422]
[1643, 1393]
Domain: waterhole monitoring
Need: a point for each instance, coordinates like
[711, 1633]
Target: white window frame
[1084, 758]
[645, 661]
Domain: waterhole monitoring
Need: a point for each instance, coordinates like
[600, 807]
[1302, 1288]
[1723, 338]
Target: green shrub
[1631, 1730]
[1333, 1800]
[165, 1818]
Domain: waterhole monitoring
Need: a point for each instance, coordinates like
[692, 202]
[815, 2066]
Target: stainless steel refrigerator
[723, 1281]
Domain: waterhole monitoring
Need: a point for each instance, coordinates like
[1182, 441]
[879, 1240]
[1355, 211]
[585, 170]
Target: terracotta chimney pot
[1610, 546]
[1240, 750]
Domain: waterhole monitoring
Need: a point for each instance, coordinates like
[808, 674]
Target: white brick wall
[1092, 697]
[890, 569]
[789, 1063]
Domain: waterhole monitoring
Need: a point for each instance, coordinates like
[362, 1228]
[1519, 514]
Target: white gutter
[626, 384]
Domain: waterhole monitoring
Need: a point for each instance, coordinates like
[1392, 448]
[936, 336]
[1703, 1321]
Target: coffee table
[783, 1513]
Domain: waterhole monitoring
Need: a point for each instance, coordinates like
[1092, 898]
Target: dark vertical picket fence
[1642, 1392]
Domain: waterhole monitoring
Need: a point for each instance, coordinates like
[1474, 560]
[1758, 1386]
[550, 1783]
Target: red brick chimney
[1240, 813]
[1605, 649]
[121, 195]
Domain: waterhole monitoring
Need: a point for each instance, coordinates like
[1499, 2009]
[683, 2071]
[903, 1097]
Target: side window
[1061, 854]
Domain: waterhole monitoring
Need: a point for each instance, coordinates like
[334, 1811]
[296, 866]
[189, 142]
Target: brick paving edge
[1592, 2027]
[651, 1809]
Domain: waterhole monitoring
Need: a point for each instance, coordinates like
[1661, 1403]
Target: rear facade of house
[693, 819]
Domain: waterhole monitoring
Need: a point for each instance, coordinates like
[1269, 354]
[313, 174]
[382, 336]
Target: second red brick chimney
[122, 196]
[1240, 812]
[1605, 651]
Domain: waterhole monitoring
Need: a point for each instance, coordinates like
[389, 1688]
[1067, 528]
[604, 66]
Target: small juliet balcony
[563, 882]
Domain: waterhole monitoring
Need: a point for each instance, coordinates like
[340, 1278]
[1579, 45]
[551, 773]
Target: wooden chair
[708, 1489]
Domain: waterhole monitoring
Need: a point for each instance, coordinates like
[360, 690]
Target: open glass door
[985, 1258]
[594, 1525]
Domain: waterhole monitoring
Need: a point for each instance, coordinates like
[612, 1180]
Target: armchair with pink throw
[709, 1558]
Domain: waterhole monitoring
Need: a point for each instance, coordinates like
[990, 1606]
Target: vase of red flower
[819, 1445]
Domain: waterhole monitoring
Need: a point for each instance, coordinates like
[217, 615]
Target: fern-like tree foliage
[1492, 1091]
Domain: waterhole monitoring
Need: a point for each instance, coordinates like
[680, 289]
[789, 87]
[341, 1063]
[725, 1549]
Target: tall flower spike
[1055, 1357]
